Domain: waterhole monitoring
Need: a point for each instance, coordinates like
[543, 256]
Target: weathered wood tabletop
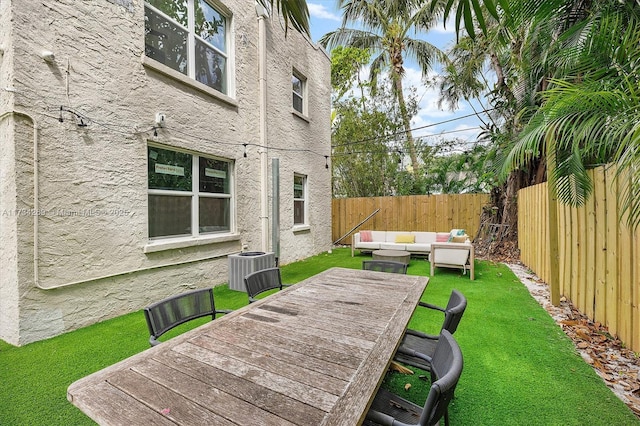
[312, 354]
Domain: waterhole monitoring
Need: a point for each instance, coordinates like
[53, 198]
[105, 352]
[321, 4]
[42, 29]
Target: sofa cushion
[392, 246]
[405, 238]
[424, 248]
[460, 239]
[391, 236]
[366, 237]
[378, 236]
[442, 237]
[369, 246]
[424, 237]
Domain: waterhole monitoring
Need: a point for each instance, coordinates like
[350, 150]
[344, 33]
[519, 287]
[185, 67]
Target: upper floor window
[299, 86]
[189, 36]
[189, 195]
[299, 199]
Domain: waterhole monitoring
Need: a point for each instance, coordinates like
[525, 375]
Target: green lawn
[520, 368]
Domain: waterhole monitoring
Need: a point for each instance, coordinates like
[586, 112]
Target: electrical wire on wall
[83, 121]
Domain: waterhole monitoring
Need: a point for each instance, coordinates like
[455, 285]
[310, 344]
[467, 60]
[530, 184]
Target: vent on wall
[243, 264]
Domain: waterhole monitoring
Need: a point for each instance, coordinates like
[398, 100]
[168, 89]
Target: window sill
[182, 242]
[301, 228]
[300, 115]
[175, 75]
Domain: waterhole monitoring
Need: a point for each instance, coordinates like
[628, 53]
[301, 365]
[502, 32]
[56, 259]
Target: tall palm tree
[383, 27]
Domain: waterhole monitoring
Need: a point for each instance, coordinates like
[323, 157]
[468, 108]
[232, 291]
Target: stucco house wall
[74, 239]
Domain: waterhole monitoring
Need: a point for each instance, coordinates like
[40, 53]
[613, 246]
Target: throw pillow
[456, 232]
[365, 236]
[459, 238]
[407, 239]
[442, 237]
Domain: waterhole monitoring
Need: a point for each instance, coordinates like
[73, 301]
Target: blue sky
[325, 17]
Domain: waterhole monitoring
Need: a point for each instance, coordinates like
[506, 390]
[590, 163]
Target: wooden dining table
[312, 354]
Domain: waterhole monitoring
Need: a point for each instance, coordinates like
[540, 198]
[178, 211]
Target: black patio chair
[169, 313]
[385, 266]
[389, 409]
[424, 343]
[263, 280]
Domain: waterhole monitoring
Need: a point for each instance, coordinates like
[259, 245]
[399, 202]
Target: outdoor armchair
[169, 313]
[389, 409]
[385, 266]
[424, 343]
[263, 280]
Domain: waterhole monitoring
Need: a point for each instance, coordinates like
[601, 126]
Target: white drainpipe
[262, 83]
[36, 191]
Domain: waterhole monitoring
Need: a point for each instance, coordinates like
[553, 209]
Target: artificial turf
[519, 367]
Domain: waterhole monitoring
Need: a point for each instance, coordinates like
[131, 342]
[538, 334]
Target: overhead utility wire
[444, 143]
[411, 130]
[390, 150]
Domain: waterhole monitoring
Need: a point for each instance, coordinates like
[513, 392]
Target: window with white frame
[299, 199]
[189, 195]
[189, 36]
[299, 84]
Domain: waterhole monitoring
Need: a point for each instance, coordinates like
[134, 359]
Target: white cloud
[320, 11]
[449, 28]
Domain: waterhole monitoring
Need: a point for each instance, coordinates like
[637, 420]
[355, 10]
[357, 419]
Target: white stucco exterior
[74, 245]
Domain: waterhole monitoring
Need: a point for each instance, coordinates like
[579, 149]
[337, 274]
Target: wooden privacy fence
[599, 256]
[437, 213]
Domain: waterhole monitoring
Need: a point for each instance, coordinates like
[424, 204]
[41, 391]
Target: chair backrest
[166, 314]
[454, 310]
[261, 281]
[446, 368]
[385, 266]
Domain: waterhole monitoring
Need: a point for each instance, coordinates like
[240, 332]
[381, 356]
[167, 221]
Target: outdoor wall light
[261, 11]
[48, 56]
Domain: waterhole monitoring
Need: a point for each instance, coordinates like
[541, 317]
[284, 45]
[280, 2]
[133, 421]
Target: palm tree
[386, 25]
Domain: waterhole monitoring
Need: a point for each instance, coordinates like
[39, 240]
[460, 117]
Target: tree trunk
[510, 207]
[498, 235]
[397, 80]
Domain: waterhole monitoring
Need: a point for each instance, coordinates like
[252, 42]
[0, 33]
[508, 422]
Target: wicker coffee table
[393, 255]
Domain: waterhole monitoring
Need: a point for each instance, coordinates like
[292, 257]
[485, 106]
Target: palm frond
[294, 12]
[425, 54]
[629, 175]
[351, 37]
[369, 14]
[377, 65]
[569, 179]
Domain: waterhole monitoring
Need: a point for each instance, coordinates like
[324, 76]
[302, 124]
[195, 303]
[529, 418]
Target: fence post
[554, 254]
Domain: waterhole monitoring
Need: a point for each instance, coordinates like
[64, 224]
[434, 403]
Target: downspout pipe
[275, 207]
[262, 96]
[36, 190]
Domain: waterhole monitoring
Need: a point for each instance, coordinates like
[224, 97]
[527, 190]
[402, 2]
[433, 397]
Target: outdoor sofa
[453, 248]
[415, 242]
